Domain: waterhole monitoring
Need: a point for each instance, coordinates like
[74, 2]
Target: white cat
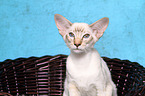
[87, 73]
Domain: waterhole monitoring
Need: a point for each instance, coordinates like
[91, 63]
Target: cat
[87, 73]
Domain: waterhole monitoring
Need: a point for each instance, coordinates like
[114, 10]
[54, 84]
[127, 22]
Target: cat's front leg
[111, 90]
[73, 90]
[101, 89]
[100, 93]
[108, 91]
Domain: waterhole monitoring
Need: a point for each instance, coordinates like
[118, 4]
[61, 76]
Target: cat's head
[80, 37]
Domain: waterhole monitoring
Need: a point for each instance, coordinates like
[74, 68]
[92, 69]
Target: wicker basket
[44, 76]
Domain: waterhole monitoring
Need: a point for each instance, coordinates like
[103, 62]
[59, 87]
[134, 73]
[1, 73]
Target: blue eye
[71, 34]
[86, 36]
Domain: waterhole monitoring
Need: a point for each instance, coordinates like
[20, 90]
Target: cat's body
[89, 74]
[86, 72]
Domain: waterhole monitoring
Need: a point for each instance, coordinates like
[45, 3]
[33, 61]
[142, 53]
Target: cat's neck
[80, 54]
[85, 58]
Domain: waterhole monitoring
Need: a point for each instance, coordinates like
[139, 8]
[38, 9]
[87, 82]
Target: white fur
[89, 76]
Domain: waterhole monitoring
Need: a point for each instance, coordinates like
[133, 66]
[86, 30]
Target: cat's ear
[100, 26]
[62, 23]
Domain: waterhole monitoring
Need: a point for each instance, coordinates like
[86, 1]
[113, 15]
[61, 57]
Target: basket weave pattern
[44, 76]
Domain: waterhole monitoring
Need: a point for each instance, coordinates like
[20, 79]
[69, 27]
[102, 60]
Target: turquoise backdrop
[27, 27]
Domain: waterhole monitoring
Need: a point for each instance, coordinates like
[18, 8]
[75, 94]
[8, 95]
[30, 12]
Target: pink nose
[77, 42]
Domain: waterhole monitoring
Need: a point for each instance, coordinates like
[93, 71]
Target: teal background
[27, 27]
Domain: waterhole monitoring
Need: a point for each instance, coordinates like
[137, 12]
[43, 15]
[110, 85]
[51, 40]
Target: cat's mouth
[77, 48]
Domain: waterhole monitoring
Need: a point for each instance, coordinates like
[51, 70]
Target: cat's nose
[77, 42]
[77, 45]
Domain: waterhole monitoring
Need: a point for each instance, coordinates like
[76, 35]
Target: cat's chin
[77, 51]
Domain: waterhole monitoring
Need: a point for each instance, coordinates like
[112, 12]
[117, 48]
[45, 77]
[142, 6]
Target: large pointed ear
[62, 24]
[100, 26]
